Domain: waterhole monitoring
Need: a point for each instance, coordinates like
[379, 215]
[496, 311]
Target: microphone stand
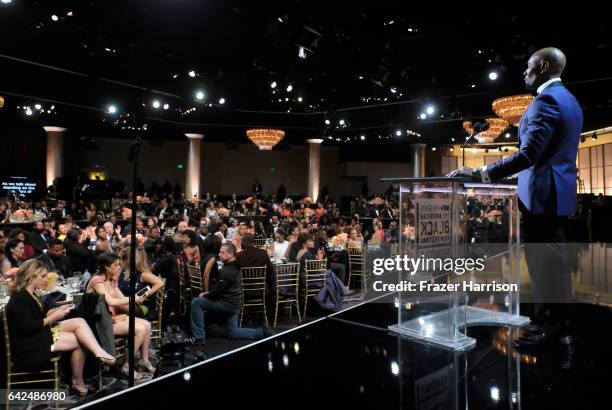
[133, 158]
[472, 134]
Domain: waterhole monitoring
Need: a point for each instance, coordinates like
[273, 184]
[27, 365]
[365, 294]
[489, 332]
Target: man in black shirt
[222, 302]
[39, 238]
[61, 261]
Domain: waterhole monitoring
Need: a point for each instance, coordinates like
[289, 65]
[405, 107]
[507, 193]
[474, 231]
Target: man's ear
[545, 67]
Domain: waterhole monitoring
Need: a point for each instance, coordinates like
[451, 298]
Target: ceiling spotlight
[289, 88]
[362, 137]
[398, 133]
[70, 14]
[473, 86]
[507, 135]
[423, 116]
[38, 106]
[7, 1]
[273, 85]
[54, 18]
[28, 111]
[594, 136]
[112, 109]
[360, 77]
[286, 98]
[492, 76]
[341, 122]
[433, 148]
[452, 139]
[486, 151]
[192, 74]
[451, 149]
[393, 90]
[430, 110]
[200, 95]
[221, 101]
[327, 122]
[156, 104]
[301, 53]
[166, 106]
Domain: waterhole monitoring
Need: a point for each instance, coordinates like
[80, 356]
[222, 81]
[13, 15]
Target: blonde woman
[36, 334]
[144, 277]
[104, 282]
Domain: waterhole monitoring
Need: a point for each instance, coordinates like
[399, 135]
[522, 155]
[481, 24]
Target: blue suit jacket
[549, 132]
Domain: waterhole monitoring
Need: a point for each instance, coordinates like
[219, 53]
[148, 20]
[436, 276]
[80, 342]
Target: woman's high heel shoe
[108, 362]
[81, 393]
[126, 372]
[146, 365]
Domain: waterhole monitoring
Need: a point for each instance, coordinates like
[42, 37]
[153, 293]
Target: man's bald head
[543, 65]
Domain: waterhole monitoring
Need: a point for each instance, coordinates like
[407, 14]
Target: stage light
[156, 104]
[273, 84]
[54, 18]
[112, 109]
[38, 106]
[289, 88]
[430, 110]
[300, 99]
[286, 98]
[393, 90]
[341, 122]
[200, 95]
[452, 139]
[507, 135]
[221, 101]
[187, 376]
[286, 360]
[362, 137]
[433, 148]
[166, 106]
[7, 1]
[493, 76]
[327, 122]
[451, 149]
[423, 116]
[360, 77]
[398, 133]
[301, 53]
[70, 14]
[28, 112]
[394, 368]
[495, 393]
[192, 74]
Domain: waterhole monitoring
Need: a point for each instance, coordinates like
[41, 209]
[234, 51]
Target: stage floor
[350, 360]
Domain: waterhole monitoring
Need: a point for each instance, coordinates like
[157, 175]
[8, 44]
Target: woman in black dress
[35, 334]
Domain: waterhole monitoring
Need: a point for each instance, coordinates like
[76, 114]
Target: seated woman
[354, 240]
[191, 250]
[208, 265]
[35, 335]
[24, 237]
[280, 245]
[144, 277]
[102, 244]
[14, 250]
[104, 282]
[260, 231]
[307, 251]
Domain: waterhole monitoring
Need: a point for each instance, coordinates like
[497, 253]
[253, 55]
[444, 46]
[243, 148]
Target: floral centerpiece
[339, 241]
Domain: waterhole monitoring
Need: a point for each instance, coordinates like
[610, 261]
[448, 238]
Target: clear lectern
[455, 220]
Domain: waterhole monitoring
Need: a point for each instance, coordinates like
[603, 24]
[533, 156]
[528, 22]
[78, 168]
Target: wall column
[194, 158]
[418, 159]
[55, 153]
[314, 167]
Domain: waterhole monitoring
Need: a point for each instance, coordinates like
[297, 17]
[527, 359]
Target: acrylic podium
[457, 218]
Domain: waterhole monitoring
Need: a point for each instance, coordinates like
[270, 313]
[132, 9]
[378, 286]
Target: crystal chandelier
[497, 126]
[512, 108]
[265, 138]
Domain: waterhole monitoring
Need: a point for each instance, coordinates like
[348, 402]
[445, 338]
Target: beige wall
[228, 171]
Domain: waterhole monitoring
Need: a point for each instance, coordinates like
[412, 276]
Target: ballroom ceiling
[370, 69]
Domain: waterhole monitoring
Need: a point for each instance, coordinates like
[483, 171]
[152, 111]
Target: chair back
[195, 278]
[287, 277]
[253, 282]
[315, 274]
[260, 243]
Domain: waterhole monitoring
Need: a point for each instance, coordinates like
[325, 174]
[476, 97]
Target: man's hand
[461, 172]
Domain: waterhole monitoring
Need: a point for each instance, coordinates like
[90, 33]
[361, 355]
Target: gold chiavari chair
[156, 325]
[195, 281]
[18, 379]
[314, 279]
[183, 291]
[260, 243]
[253, 291]
[287, 284]
[357, 266]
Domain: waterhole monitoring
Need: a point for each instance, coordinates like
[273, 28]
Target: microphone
[477, 129]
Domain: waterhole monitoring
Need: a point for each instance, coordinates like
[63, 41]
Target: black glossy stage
[350, 360]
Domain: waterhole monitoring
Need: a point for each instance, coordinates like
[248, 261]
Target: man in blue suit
[549, 133]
